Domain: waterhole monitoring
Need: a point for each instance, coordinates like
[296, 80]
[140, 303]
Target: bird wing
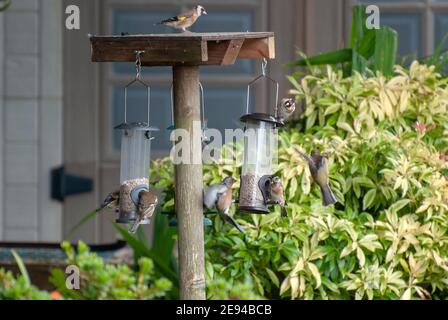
[304, 155]
[312, 165]
[180, 17]
[212, 194]
[148, 212]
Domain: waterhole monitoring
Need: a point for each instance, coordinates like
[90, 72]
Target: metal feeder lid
[262, 117]
[136, 126]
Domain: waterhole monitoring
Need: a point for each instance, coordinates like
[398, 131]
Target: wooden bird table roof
[184, 48]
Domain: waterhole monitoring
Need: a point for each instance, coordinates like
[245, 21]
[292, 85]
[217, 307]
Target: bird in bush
[146, 206]
[319, 172]
[112, 201]
[220, 196]
[285, 109]
[185, 20]
[276, 192]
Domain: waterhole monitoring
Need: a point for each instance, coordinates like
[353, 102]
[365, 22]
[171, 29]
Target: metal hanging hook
[138, 63]
[138, 78]
[264, 64]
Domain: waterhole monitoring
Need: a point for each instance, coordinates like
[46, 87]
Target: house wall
[31, 118]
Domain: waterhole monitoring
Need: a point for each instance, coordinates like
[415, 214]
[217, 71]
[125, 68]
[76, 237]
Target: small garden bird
[147, 203]
[319, 172]
[112, 201]
[220, 196]
[185, 20]
[276, 192]
[285, 109]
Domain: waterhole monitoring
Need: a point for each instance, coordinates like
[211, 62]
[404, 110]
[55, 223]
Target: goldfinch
[185, 20]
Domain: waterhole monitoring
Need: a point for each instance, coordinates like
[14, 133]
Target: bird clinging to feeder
[285, 109]
[185, 20]
[319, 172]
[112, 201]
[276, 192]
[220, 196]
[146, 206]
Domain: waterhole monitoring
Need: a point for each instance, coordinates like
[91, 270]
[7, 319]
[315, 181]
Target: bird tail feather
[134, 227]
[232, 221]
[284, 213]
[328, 197]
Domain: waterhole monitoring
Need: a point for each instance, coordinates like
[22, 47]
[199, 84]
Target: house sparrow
[220, 196]
[185, 20]
[285, 109]
[112, 201]
[276, 192]
[147, 202]
[319, 172]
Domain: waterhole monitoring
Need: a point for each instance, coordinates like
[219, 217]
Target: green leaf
[334, 57]
[5, 5]
[359, 63]
[84, 219]
[364, 182]
[369, 198]
[315, 272]
[311, 119]
[400, 204]
[332, 109]
[385, 50]
[273, 277]
[142, 251]
[22, 267]
[209, 269]
[163, 239]
[359, 17]
[366, 47]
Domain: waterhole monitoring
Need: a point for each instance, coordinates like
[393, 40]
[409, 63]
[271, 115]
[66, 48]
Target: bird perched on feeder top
[220, 196]
[112, 201]
[319, 172]
[276, 192]
[146, 206]
[185, 20]
[285, 109]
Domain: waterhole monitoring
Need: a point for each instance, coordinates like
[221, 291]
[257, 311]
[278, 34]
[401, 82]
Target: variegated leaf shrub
[387, 238]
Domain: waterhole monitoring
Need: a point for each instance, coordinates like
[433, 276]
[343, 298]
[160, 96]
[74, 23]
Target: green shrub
[106, 281]
[387, 238]
[19, 288]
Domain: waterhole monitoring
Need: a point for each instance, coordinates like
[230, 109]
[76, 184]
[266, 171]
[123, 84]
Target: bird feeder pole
[185, 53]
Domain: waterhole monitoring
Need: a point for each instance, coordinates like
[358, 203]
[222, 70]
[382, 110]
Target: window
[224, 87]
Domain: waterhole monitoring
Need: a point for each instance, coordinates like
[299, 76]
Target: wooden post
[188, 186]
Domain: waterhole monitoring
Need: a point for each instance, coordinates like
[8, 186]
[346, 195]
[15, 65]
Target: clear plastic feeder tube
[259, 151]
